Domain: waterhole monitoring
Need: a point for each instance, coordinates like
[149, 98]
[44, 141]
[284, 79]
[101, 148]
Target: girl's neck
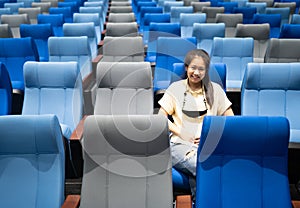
[195, 86]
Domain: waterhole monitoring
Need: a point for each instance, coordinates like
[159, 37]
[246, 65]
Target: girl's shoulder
[178, 85]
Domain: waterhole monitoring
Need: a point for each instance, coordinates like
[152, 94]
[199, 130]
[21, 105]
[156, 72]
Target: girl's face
[196, 70]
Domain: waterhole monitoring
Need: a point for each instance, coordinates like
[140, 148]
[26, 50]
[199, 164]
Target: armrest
[78, 132]
[101, 43]
[296, 204]
[72, 201]
[184, 201]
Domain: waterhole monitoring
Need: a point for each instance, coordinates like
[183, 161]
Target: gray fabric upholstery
[199, 5]
[123, 49]
[127, 162]
[120, 9]
[32, 13]
[128, 29]
[14, 21]
[121, 17]
[211, 13]
[230, 21]
[43, 5]
[124, 88]
[5, 31]
[260, 34]
[283, 50]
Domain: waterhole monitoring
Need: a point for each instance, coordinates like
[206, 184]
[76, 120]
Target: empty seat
[32, 162]
[127, 29]
[230, 21]
[121, 17]
[284, 14]
[197, 5]
[99, 10]
[228, 6]
[83, 29]
[295, 19]
[290, 31]
[56, 21]
[120, 9]
[248, 13]
[32, 13]
[40, 34]
[260, 34]
[167, 5]
[77, 49]
[129, 83]
[272, 89]
[187, 21]
[260, 6]
[177, 10]
[283, 51]
[205, 33]
[236, 53]
[5, 91]
[14, 21]
[274, 20]
[211, 13]
[5, 31]
[14, 52]
[14, 6]
[291, 5]
[123, 49]
[66, 11]
[44, 6]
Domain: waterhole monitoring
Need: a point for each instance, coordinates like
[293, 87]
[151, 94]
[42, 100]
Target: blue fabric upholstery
[271, 89]
[65, 11]
[40, 34]
[72, 49]
[32, 162]
[167, 55]
[56, 21]
[290, 31]
[177, 10]
[242, 162]
[14, 52]
[205, 33]
[248, 13]
[147, 10]
[160, 29]
[5, 91]
[284, 13]
[260, 6]
[295, 19]
[54, 88]
[229, 6]
[99, 10]
[141, 4]
[274, 21]
[187, 21]
[235, 53]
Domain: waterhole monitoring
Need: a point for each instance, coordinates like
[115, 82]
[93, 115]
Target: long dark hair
[208, 88]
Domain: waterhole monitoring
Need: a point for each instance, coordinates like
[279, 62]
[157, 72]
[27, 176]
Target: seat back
[123, 49]
[197, 5]
[248, 13]
[32, 13]
[187, 21]
[129, 83]
[121, 17]
[5, 31]
[99, 10]
[238, 158]
[124, 154]
[65, 11]
[120, 9]
[228, 6]
[72, 49]
[56, 21]
[83, 29]
[167, 5]
[167, 55]
[211, 13]
[15, 59]
[32, 161]
[40, 34]
[205, 33]
[260, 33]
[44, 6]
[273, 89]
[283, 51]
[14, 6]
[127, 29]
[260, 6]
[177, 10]
[230, 21]
[235, 53]
[14, 21]
[5, 91]
[291, 5]
[295, 19]
[274, 20]
[283, 11]
[54, 88]
[290, 31]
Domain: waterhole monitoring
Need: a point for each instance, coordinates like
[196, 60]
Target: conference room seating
[274, 20]
[260, 34]
[282, 51]
[100, 10]
[283, 11]
[44, 6]
[4, 11]
[65, 11]
[235, 53]
[187, 21]
[175, 12]
[147, 10]
[5, 31]
[14, 21]
[295, 19]
[141, 4]
[83, 29]
[70, 4]
[14, 6]
[124, 154]
[55, 20]
[167, 54]
[15, 59]
[120, 9]
[124, 88]
[197, 5]
[167, 5]
[5, 91]
[32, 13]
[205, 33]
[32, 161]
[244, 164]
[260, 6]
[248, 13]
[230, 21]
[228, 6]
[53, 2]
[124, 29]
[40, 34]
[291, 5]
[272, 89]
[211, 13]
[290, 31]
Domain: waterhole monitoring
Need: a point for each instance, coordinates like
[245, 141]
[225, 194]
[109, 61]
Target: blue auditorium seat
[284, 12]
[56, 21]
[66, 11]
[243, 162]
[248, 13]
[40, 34]
[274, 21]
[32, 162]
[177, 10]
[5, 91]
[14, 52]
[187, 21]
[273, 89]
[290, 31]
